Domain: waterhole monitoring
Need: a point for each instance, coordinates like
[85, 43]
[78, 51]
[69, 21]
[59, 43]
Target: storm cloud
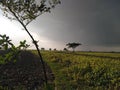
[91, 22]
[94, 23]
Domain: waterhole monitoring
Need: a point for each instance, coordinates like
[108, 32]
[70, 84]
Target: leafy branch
[12, 51]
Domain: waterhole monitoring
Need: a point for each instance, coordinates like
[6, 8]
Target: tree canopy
[26, 11]
[73, 45]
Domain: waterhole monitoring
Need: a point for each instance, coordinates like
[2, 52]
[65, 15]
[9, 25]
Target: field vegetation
[71, 70]
[84, 70]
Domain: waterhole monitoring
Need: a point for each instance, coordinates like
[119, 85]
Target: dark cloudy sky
[94, 23]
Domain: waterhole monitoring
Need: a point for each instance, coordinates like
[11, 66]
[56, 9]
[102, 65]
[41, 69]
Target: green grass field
[84, 70]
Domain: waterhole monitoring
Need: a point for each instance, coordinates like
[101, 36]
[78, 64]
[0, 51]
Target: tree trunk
[38, 50]
[34, 42]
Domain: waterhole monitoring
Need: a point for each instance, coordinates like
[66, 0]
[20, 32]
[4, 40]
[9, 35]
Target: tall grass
[78, 71]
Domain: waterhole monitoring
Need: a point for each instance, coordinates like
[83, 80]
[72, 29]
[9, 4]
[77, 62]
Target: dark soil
[26, 72]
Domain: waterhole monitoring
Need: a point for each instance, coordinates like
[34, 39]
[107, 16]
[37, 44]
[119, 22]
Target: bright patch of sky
[17, 34]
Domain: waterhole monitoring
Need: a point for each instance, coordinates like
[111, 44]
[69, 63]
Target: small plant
[67, 63]
[11, 51]
[5, 42]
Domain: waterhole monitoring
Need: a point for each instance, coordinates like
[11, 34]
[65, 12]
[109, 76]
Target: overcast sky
[94, 23]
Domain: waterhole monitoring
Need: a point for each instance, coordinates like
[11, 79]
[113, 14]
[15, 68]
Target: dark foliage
[26, 72]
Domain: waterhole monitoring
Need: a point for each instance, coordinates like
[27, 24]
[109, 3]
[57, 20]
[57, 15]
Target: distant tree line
[73, 46]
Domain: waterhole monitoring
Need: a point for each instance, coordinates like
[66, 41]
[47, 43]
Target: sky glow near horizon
[17, 34]
[94, 23]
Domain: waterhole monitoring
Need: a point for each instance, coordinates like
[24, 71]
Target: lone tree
[73, 45]
[25, 11]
